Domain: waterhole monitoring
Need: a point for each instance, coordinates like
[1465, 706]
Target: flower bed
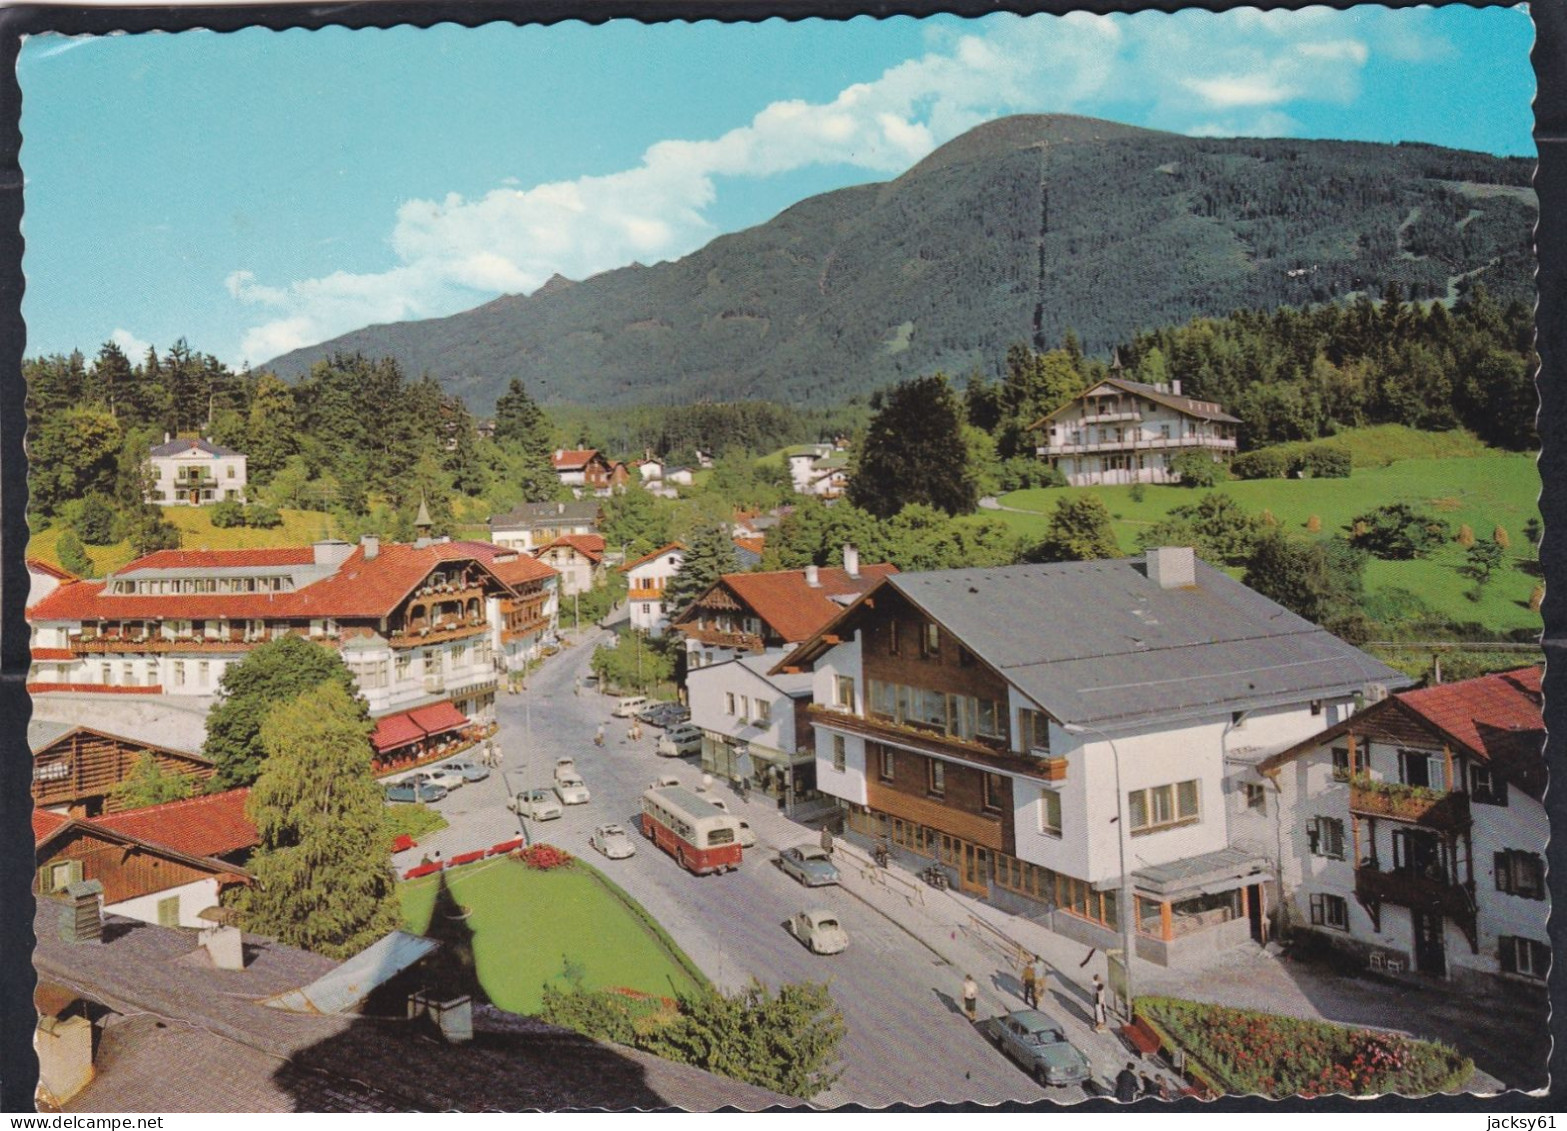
[544, 857]
[1244, 1053]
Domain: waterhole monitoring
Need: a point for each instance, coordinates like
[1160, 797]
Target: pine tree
[323, 879]
[914, 452]
[1079, 530]
[271, 431]
[72, 554]
[272, 673]
[711, 552]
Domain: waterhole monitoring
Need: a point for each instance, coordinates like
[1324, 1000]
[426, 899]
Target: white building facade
[195, 473]
[646, 579]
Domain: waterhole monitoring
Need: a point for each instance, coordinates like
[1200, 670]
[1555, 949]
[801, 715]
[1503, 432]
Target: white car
[446, 776]
[537, 804]
[664, 781]
[572, 791]
[747, 835]
[566, 768]
[819, 930]
[613, 842]
[681, 739]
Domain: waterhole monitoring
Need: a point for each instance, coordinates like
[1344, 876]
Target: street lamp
[1125, 901]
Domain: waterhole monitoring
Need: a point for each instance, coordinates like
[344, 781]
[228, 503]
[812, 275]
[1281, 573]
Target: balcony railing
[440, 631]
[118, 645]
[1140, 443]
[1416, 890]
[986, 751]
[745, 641]
[1394, 801]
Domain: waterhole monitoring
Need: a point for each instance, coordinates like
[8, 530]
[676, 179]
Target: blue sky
[257, 191]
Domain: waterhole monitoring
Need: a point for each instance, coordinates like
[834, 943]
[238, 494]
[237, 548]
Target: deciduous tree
[150, 784]
[1079, 530]
[323, 877]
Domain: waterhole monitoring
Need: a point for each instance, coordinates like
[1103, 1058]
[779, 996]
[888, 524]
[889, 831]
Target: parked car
[664, 781]
[1036, 1041]
[664, 714]
[410, 790]
[572, 790]
[652, 707]
[470, 770]
[809, 864]
[566, 768]
[444, 775]
[683, 738]
[629, 706]
[613, 842]
[537, 804]
[819, 930]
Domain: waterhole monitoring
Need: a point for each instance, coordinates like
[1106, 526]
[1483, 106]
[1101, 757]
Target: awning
[394, 731]
[438, 717]
[1207, 874]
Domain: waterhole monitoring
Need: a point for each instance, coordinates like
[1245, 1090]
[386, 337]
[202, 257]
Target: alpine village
[1061, 623]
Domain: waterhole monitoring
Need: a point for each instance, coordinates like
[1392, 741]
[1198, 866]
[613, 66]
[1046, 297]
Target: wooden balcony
[742, 641]
[1428, 808]
[524, 629]
[134, 645]
[438, 633]
[1140, 444]
[987, 752]
[1418, 891]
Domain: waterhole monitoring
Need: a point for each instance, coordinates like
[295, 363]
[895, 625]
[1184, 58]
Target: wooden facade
[126, 867]
[80, 769]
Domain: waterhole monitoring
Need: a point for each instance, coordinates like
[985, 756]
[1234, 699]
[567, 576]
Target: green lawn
[527, 923]
[1482, 491]
[300, 528]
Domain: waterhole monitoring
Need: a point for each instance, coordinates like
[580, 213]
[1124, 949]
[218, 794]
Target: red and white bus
[697, 833]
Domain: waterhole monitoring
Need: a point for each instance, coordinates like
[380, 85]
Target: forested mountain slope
[1019, 230]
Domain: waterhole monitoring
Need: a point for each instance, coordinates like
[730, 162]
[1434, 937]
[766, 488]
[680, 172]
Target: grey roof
[342, 989]
[190, 1037]
[43, 732]
[1099, 643]
[792, 684]
[181, 447]
[1220, 870]
[528, 515]
[746, 559]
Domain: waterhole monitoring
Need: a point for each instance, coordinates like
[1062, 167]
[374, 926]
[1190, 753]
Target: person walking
[1101, 1013]
[598, 737]
[827, 841]
[1126, 1083]
[970, 997]
[1031, 983]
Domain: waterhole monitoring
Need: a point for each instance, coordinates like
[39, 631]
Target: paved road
[906, 1041]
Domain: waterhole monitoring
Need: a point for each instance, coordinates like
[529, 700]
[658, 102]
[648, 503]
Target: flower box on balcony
[1054, 769]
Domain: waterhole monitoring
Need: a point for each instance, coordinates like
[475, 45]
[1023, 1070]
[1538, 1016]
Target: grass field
[1481, 491]
[527, 923]
[300, 528]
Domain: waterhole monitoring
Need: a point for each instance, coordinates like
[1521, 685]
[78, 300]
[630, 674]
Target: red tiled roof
[793, 609]
[523, 568]
[658, 553]
[38, 565]
[1496, 717]
[46, 824]
[590, 546]
[222, 559]
[394, 731]
[755, 543]
[438, 718]
[52, 654]
[210, 825]
[573, 459]
[359, 588]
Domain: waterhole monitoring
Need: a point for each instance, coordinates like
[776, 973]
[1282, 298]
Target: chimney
[1175, 387]
[372, 546]
[1172, 567]
[225, 946]
[851, 559]
[813, 576]
[331, 552]
[560, 508]
[81, 921]
[560, 453]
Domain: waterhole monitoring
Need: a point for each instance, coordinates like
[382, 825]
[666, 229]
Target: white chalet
[1005, 721]
[755, 726]
[645, 581]
[1412, 835]
[1124, 431]
[194, 473]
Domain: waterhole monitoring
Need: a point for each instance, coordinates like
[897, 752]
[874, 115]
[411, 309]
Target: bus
[701, 836]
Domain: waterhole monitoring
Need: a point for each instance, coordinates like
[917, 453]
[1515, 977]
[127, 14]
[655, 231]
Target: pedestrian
[970, 997]
[826, 840]
[1101, 1014]
[598, 737]
[1030, 983]
[1126, 1083]
[1150, 1086]
[1042, 989]
[576, 687]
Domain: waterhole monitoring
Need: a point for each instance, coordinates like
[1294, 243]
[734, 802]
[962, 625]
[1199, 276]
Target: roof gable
[788, 605]
[210, 825]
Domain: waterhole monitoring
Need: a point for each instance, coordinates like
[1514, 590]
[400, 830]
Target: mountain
[1018, 230]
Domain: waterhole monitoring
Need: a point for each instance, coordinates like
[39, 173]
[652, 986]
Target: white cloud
[132, 346]
[1186, 72]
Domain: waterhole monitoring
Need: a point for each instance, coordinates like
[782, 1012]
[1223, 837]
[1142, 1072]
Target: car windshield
[827, 924]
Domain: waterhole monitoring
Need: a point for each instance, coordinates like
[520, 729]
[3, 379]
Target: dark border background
[18, 1066]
